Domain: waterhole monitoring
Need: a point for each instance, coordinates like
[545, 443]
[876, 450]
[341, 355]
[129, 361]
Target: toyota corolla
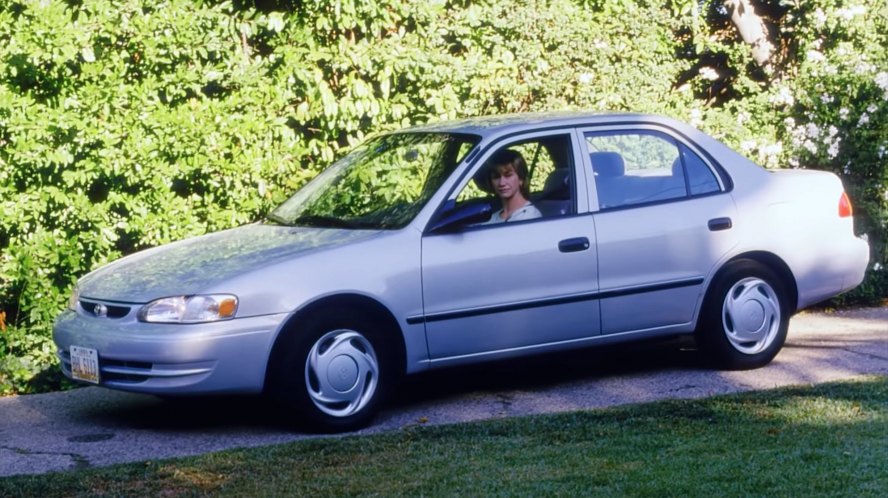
[413, 253]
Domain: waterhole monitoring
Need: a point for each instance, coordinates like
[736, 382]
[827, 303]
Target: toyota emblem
[101, 310]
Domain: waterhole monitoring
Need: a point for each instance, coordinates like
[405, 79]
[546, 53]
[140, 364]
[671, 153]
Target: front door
[508, 288]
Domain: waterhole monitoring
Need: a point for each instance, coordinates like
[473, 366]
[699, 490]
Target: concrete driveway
[92, 426]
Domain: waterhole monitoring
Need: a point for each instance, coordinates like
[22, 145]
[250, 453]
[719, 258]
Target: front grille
[123, 377]
[104, 310]
[125, 371]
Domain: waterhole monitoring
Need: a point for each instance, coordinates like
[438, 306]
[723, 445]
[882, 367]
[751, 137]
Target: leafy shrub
[126, 124]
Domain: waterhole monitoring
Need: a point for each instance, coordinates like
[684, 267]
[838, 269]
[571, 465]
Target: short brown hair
[514, 159]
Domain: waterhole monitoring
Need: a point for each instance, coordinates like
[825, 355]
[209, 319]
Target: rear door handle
[574, 245]
[717, 224]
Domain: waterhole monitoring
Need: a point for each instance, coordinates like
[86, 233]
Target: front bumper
[172, 359]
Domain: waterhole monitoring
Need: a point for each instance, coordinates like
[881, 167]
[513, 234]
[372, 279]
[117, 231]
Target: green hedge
[127, 124]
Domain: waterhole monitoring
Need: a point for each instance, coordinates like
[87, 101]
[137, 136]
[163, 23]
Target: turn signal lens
[845, 209]
[227, 306]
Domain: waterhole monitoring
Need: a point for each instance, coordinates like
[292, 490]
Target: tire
[335, 372]
[745, 317]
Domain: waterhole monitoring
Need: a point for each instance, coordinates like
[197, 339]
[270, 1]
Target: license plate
[85, 364]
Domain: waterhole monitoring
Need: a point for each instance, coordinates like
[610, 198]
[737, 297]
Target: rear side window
[701, 180]
[640, 167]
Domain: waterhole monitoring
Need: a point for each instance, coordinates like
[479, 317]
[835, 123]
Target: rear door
[664, 221]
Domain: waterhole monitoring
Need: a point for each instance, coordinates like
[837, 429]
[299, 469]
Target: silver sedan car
[470, 241]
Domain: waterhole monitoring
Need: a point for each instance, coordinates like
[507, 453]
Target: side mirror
[455, 217]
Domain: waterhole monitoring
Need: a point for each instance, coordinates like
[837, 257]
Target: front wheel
[335, 372]
[745, 317]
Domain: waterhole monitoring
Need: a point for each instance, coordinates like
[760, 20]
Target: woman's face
[505, 181]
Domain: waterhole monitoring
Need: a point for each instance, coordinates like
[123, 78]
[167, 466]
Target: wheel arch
[378, 312]
[775, 264]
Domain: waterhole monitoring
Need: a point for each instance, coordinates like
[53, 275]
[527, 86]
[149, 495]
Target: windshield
[382, 184]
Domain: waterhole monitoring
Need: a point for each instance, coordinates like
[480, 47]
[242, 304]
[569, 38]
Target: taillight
[845, 209]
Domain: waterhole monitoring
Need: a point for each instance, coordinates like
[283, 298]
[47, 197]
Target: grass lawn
[828, 440]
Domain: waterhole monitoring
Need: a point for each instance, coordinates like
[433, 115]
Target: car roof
[513, 123]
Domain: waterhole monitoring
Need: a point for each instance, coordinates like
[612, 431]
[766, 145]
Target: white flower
[783, 97]
[878, 266]
[819, 17]
[864, 119]
[843, 113]
[709, 73]
[696, 117]
[815, 56]
[773, 149]
[768, 153]
[88, 54]
[811, 146]
[871, 108]
[882, 82]
[833, 131]
[747, 145]
[833, 150]
[585, 78]
[826, 98]
[851, 12]
[812, 131]
[864, 67]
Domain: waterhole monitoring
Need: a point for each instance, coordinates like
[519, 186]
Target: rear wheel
[745, 317]
[335, 372]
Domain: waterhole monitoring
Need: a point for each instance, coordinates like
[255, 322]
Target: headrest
[607, 164]
[676, 168]
[557, 180]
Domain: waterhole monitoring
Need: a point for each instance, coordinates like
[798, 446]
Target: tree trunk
[753, 29]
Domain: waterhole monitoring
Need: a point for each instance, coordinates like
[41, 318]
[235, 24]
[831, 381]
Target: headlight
[190, 309]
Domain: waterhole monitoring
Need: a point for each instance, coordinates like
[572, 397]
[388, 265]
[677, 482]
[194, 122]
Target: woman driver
[508, 179]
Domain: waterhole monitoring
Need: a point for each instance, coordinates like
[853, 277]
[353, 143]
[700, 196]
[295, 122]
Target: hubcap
[751, 315]
[341, 373]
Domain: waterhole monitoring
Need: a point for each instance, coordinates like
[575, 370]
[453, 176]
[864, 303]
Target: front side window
[382, 184]
[521, 181]
[640, 167]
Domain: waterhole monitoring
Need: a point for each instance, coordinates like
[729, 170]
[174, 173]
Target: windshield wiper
[277, 220]
[317, 220]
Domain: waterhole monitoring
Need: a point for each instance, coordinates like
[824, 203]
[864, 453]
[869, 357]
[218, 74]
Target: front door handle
[717, 224]
[574, 245]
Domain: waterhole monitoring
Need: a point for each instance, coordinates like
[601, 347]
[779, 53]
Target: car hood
[194, 265]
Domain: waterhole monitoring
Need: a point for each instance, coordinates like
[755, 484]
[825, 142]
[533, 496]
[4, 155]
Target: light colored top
[526, 212]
